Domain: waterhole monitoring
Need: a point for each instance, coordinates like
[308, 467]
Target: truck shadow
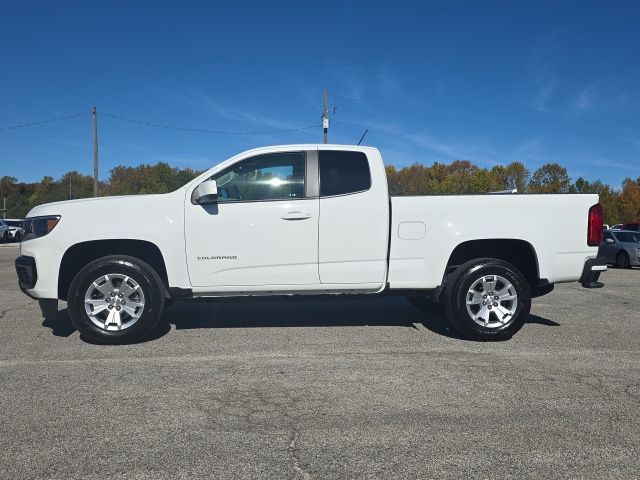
[283, 312]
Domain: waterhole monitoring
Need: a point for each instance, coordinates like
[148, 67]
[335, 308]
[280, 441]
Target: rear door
[354, 218]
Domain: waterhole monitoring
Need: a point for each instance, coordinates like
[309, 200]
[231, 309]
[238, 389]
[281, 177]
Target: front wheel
[115, 299]
[487, 299]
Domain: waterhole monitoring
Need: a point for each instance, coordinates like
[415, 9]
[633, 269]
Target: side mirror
[609, 240]
[206, 192]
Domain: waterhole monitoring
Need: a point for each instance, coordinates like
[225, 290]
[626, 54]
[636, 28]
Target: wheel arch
[519, 253]
[80, 254]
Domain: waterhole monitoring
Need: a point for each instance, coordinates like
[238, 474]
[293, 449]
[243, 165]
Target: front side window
[607, 236]
[343, 172]
[277, 176]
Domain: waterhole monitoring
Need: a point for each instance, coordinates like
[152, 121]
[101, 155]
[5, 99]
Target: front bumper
[27, 279]
[27, 272]
[591, 272]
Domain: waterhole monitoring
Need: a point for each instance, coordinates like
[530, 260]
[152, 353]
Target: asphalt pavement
[325, 388]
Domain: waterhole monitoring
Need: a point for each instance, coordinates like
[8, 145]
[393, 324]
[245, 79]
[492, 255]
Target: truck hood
[93, 206]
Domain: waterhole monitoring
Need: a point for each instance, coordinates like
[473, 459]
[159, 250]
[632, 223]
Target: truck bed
[425, 230]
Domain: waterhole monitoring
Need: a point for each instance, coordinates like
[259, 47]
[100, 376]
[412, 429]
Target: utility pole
[69, 186]
[325, 116]
[95, 153]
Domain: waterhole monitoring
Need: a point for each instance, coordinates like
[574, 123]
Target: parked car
[621, 248]
[4, 232]
[300, 220]
[633, 226]
[16, 232]
[617, 226]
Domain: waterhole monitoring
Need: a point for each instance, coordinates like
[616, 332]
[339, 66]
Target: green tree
[145, 178]
[512, 176]
[464, 177]
[392, 180]
[608, 197]
[629, 200]
[550, 178]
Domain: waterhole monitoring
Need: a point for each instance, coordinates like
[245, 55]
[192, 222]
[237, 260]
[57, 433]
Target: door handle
[296, 216]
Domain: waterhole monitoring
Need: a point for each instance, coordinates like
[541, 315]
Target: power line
[203, 130]
[156, 125]
[41, 122]
[366, 100]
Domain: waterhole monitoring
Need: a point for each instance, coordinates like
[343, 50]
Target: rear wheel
[115, 299]
[487, 299]
[622, 260]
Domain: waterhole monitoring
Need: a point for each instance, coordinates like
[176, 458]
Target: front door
[262, 231]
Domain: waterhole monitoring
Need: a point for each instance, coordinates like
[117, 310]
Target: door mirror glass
[206, 192]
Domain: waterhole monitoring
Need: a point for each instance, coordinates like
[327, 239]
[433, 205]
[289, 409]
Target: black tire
[457, 290]
[139, 271]
[18, 237]
[622, 260]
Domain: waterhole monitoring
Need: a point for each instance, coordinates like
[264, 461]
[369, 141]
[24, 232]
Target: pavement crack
[293, 451]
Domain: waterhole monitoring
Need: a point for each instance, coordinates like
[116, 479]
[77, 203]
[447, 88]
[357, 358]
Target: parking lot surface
[325, 388]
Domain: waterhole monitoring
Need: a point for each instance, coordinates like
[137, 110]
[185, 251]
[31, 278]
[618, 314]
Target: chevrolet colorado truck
[300, 220]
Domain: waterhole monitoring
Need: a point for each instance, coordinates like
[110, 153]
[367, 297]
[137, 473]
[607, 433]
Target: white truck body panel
[158, 219]
[359, 242]
[251, 244]
[543, 221]
[354, 233]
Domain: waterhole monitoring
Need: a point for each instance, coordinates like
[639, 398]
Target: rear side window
[343, 172]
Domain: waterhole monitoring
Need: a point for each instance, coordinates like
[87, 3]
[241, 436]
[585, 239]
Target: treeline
[460, 176]
[160, 178]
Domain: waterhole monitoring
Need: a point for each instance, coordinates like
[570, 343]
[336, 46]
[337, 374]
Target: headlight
[35, 227]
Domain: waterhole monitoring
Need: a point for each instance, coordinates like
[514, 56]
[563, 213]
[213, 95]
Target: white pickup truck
[305, 219]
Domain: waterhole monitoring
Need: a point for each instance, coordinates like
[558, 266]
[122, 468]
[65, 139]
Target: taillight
[596, 222]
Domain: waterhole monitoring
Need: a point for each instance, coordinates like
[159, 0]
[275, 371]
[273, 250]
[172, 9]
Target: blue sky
[491, 82]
